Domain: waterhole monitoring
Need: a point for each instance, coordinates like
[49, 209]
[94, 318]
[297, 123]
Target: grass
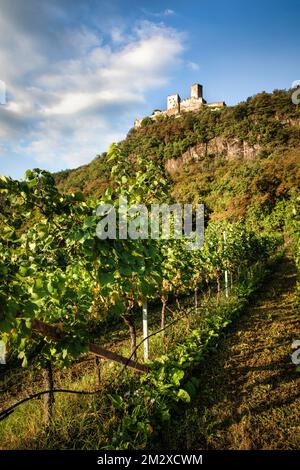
[249, 391]
[82, 422]
[230, 411]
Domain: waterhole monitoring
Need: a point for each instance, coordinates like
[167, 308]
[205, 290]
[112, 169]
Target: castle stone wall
[191, 104]
[175, 106]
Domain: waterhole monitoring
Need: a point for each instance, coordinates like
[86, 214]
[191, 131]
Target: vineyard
[65, 295]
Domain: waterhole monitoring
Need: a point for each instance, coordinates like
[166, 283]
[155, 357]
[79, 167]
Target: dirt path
[250, 392]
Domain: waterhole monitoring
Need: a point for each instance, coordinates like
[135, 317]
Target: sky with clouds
[77, 73]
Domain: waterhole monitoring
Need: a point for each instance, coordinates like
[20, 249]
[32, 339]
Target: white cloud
[169, 12]
[117, 35]
[67, 103]
[78, 144]
[166, 12]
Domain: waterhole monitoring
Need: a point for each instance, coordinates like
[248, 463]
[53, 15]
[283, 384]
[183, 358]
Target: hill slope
[240, 161]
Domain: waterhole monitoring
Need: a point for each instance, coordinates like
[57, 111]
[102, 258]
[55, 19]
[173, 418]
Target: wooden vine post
[98, 371]
[196, 300]
[132, 331]
[52, 332]
[163, 318]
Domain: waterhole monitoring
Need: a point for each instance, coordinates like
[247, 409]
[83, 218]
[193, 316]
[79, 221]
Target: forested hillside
[240, 161]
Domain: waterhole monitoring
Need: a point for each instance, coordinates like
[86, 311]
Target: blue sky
[77, 73]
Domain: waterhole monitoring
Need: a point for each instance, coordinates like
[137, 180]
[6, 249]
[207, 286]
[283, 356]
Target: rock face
[231, 149]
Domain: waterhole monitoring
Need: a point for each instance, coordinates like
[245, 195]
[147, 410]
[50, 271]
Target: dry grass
[250, 391]
[81, 422]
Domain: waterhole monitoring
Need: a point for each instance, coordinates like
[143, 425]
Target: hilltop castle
[175, 106]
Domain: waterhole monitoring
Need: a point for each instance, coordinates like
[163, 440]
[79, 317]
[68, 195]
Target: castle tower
[197, 91]
[173, 102]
